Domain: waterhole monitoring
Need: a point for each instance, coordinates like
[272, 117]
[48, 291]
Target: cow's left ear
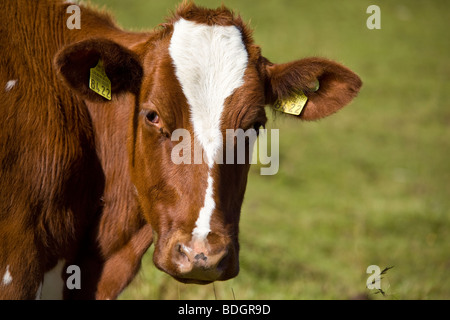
[121, 66]
[327, 85]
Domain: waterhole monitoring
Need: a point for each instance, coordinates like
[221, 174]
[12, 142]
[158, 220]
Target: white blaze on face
[210, 63]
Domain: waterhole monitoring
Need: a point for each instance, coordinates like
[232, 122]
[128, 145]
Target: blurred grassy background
[369, 185]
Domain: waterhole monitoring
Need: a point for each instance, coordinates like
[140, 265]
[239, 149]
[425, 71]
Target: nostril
[200, 256]
[183, 251]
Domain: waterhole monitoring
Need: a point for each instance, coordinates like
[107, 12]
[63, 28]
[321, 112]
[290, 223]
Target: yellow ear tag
[99, 82]
[292, 105]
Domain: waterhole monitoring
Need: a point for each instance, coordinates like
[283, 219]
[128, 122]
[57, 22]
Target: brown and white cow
[91, 182]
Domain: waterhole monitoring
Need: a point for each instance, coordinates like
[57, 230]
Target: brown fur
[91, 181]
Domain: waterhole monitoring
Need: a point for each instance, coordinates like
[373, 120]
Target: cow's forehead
[210, 62]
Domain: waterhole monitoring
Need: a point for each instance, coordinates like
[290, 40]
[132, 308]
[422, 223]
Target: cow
[86, 173]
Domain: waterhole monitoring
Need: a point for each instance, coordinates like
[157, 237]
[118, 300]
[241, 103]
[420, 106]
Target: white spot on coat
[7, 278]
[10, 84]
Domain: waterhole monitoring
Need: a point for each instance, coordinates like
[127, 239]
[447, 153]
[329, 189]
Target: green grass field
[367, 186]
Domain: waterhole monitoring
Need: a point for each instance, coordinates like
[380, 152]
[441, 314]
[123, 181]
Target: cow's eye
[152, 117]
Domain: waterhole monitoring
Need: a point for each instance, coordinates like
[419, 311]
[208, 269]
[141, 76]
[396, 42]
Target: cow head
[202, 73]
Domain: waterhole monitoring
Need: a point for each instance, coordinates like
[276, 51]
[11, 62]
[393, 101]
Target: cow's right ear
[122, 67]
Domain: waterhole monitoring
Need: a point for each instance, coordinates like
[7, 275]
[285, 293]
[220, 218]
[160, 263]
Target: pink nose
[197, 262]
